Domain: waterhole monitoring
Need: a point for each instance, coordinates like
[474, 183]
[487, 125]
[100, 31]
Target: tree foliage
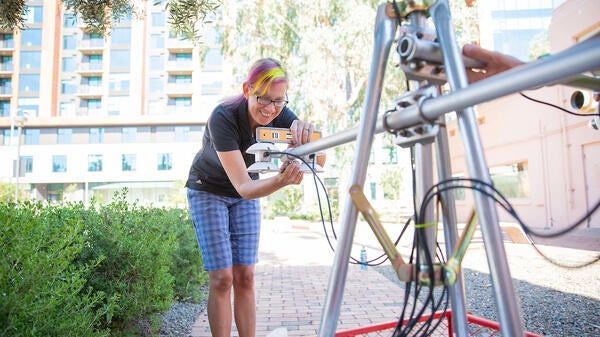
[327, 47]
[98, 16]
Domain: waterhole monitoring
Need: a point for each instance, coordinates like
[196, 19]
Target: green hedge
[68, 270]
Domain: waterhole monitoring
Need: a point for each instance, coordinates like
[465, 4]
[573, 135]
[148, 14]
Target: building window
[29, 106]
[64, 136]
[69, 20]
[29, 83]
[158, 19]
[157, 85]
[95, 62]
[69, 42]
[128, 162]
[91, 107]
[31, 60]
[512, 180]
[67, 109]
[34, 14]
[128, 135]
[26, 165]
[94, 162]
[164, 162]
[6, 40]
[6, 62]
[59, 163]
[96, 135]
[55, 192]
[119, 60]
[69, 64]
[31, 37]
[119, 106]
[5, 86]
[32, 136]
[6, 137]
[157, 63]
[68, 87]
[119, 82]
[213, 60]
[4, 108]
[182, 133]
[157, 41]
[121, 36]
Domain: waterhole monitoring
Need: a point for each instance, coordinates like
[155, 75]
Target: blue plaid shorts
[227, 229]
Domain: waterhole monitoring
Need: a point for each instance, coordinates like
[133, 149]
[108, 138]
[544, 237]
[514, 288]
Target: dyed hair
[261, 76]
[263, 73]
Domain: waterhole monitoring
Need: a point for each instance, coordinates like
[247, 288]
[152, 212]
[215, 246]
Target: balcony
[180, 89]
[180, 67]
[90, 69]
[6, 47]
[176, 45]
[91, 47]
[88, 91]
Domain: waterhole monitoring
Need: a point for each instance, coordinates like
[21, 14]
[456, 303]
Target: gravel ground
[179, 319]
[554, 301]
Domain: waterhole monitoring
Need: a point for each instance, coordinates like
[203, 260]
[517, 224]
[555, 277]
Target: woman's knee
[221, 280]
[243, 277]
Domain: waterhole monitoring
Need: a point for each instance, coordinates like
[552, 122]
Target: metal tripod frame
[564, 67]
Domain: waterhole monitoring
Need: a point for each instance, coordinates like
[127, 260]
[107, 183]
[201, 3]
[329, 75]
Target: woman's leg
[244, 303]
[245, 233]
[219, 302]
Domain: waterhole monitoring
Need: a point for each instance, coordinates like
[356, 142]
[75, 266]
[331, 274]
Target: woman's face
[260, 114]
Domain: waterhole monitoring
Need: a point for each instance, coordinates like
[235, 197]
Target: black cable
[557, 107]
[353, 260]
[503, 202]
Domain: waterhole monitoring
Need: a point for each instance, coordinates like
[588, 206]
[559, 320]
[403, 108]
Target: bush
[42, 290]
[106, 270]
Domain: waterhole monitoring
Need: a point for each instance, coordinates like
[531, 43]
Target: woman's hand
[301, 132]
[290, 173]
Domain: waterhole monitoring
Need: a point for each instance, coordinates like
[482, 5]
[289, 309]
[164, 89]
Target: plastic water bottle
[363, 258]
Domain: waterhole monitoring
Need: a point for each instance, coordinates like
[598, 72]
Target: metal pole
[505, 295]
[554, 69]
[18, 165]
[457, 290]
[385, 28]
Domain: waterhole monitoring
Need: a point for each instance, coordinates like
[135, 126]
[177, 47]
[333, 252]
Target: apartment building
[89, 115]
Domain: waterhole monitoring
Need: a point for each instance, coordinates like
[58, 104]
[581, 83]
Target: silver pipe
[385, 29]
[505, 294]
[457, 290]
[558, 68]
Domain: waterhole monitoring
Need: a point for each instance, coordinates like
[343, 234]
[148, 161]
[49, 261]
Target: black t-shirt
[228, 129]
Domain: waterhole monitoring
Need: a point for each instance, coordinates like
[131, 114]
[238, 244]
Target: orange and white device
[279, 135]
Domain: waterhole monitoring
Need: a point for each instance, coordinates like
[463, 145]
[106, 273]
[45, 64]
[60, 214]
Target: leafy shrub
[42, 291]
[69, 270]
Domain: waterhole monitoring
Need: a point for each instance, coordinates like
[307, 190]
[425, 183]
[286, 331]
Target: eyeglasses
[279, 103]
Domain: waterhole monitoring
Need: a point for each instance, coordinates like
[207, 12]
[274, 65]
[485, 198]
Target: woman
[222, 195]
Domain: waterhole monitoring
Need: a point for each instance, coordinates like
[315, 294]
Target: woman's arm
[235, 167]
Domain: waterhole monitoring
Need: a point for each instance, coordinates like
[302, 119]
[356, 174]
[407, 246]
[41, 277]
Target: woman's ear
[246, 89]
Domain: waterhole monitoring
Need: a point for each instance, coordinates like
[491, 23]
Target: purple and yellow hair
[263, 73]
[261, 76]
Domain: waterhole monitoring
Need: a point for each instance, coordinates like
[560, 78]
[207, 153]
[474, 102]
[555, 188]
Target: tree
[185, 16]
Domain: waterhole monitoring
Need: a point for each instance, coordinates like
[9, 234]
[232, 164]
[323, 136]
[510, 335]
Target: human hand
[290, 173]
[301, 132]
[494, 62]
